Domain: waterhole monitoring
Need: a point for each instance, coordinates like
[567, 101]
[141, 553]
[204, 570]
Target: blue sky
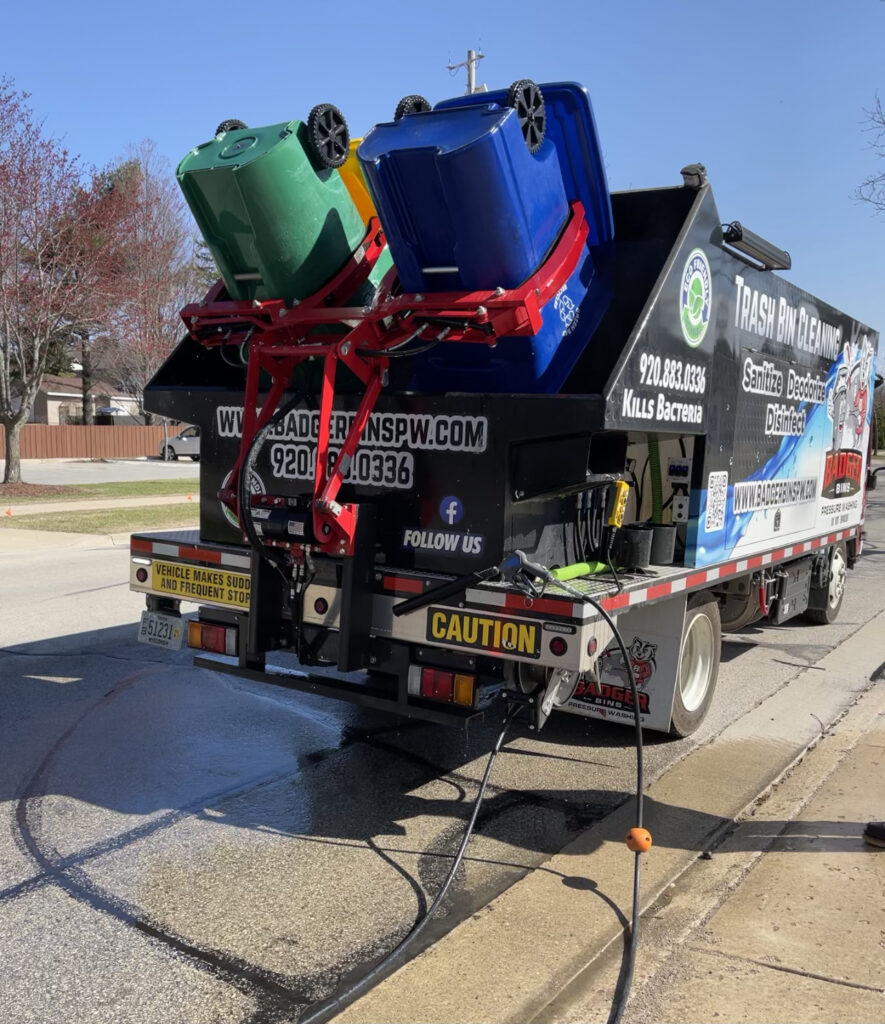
[769, 95]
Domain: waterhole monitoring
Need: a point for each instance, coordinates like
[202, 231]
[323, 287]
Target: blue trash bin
[465, 206]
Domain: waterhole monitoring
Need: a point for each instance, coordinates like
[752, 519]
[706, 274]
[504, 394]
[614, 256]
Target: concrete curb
[510, 960]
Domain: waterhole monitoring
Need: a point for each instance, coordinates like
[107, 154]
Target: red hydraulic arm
[280, 337]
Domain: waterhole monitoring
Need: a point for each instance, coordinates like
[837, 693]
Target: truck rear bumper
[350, 689]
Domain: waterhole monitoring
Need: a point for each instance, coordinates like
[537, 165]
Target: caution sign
[485, 632]
[197, 583]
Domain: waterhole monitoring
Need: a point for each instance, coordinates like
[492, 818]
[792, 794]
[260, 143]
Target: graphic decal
[695, 298]
[385, 455]
[256, 486]
[818, 418]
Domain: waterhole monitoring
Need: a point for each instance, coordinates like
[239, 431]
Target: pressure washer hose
[328, 1008]
[621, 996]
[244, 503]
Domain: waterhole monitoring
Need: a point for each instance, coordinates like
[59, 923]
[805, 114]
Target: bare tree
[45, 286]
[160, 274]
[101, 218]
[872, 189]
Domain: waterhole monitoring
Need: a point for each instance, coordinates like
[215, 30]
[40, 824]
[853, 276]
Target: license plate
[161, 630]
[201, 584]
[484, 632]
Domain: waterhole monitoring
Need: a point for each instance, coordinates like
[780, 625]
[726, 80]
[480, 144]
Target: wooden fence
[39, 441]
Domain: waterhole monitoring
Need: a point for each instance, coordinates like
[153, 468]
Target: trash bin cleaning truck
[456, 399]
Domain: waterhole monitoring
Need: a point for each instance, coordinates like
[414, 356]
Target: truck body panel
[736, 405]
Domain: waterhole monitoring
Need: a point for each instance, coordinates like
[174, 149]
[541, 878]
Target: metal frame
[280, 338]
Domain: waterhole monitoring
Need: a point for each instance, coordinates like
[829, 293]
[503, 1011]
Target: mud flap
[652, 635]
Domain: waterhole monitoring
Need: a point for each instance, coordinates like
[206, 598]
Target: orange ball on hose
[638, 840]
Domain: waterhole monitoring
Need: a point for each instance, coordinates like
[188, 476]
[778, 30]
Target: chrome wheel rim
[696, 663]
[838, 571]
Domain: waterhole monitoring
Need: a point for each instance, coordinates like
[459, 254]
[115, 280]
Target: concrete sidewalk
[33, 508]
[760, 900]
[785, 922]
[19, 540]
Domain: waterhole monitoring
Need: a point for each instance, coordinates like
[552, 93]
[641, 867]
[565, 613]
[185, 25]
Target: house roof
[53, 384]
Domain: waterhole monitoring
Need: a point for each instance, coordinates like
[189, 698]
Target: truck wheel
[828, 600]
[738, 611]
[698, 664]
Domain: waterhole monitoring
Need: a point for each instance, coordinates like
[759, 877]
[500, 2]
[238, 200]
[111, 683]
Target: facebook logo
[451, 510]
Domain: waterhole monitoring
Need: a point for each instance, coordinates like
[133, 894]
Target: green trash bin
[277, 226]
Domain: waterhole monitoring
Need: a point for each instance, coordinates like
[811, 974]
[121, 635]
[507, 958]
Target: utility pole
[473, 58]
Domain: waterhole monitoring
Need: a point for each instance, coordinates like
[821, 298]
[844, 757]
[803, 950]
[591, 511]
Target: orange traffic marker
[9, 511]
[638, 840]
[190, 497]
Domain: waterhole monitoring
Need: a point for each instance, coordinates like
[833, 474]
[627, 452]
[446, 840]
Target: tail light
[441, 684]
[205, 636]
[464, 690]
[437, 684]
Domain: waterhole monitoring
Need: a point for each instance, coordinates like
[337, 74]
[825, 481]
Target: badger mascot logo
[642, 659]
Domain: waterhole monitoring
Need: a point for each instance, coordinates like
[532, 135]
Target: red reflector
[213, 638]
[558, 646]
[321, 606]
[402, 584]
[141, 575]
[436, 684]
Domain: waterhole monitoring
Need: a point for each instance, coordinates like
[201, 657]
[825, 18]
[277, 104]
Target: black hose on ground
[328, 1008]
[623, 993]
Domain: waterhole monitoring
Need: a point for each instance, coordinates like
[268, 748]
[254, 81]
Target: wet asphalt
[179, 846]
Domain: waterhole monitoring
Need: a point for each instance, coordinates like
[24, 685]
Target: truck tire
[739, 610]
[698, 669]
[826, 602]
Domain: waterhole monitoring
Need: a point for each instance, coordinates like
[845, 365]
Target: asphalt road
[179, 846]
[88, 471]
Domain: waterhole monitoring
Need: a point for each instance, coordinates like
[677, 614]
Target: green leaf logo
[696, 295]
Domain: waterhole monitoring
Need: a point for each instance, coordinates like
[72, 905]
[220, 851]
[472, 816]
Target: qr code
[717, 492]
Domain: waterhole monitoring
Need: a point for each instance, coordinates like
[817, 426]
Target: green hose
[654, 468]
[571, 572]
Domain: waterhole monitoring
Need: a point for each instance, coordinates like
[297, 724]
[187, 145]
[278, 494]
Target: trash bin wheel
[230, 125]
[410, 105]
[327, 135]
[526, 99]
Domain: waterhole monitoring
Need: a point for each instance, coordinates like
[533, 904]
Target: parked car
[185, 443]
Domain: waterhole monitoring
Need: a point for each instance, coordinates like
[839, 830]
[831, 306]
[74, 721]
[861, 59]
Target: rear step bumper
[363, 693]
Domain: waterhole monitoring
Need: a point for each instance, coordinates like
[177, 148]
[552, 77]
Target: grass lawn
[110, 520]
[20, 494]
